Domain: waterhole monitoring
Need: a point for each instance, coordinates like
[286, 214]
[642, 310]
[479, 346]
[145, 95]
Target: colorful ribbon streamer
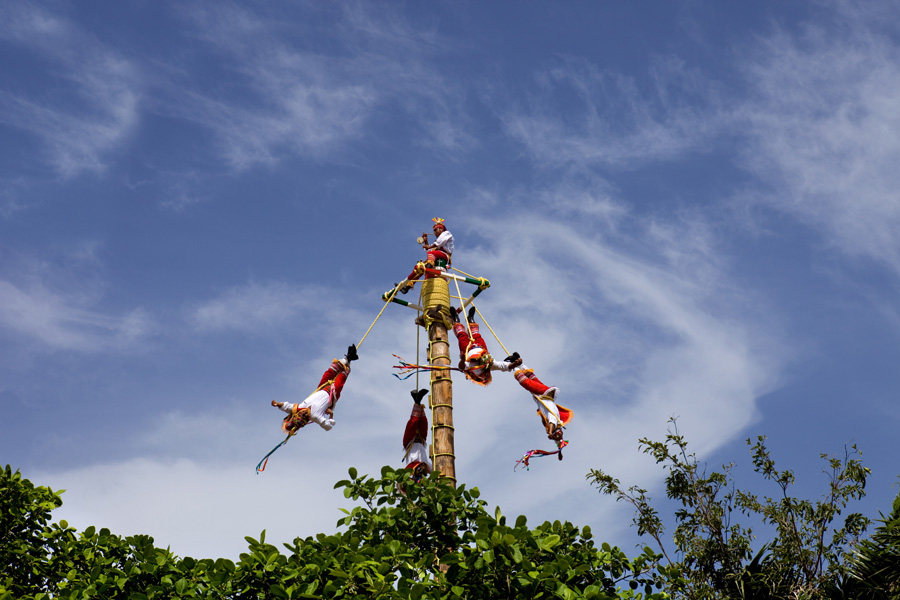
[261, 466]
[410, 369]
[539, 453]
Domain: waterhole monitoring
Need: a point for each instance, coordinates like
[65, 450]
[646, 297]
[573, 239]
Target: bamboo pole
[436, 301]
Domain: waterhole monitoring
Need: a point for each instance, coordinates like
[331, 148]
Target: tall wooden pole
[436, 302]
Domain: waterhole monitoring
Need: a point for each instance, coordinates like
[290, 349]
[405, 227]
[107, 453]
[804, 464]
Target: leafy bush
[407, 540]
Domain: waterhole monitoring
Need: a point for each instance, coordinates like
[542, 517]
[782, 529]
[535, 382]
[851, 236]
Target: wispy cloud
[254, 306]
[635, 325]
[94, 105]
[289, 97]
[612, 120]
[56, 306]
[823, 129]
[10, 202]
[60, 323]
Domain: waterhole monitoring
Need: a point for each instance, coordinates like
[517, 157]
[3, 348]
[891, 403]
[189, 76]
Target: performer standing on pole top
[415, 438]
[442, 248]
[553, 416]
[475, 361]
[319, 406]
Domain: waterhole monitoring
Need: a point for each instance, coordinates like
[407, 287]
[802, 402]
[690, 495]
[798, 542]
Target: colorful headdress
[475, 354]
[295, 421]
[439, 221]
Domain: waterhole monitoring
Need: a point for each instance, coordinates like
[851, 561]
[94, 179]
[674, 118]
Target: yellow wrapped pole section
[435, 293]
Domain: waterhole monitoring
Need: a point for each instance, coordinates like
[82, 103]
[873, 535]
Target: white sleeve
[500, 365]
[287, 407]
[445, 242]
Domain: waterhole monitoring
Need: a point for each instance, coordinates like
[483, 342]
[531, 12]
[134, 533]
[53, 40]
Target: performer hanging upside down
[554, 417]
[442, 248]
[475, 361]
[415, 438]
[319, 406]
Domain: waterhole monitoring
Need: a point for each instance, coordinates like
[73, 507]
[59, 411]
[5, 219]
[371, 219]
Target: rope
[419, 335]
[388, 301]
[261, 465]
[492, 331]
[463, 311]
[466, 274]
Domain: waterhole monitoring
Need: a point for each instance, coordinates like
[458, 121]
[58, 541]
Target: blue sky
[685, 209]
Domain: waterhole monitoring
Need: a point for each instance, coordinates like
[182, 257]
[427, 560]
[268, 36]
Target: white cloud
[254, 306]
[612, 120]
[308, 101]
[10, 203]
[64, 323]
[56, 303]
[201, 509]
[630, 336]
[823, 130]
[93, 111]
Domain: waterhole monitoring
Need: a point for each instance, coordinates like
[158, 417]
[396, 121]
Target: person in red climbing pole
[319, 406]
[553, 416]
[442, 248]
[475, 360]
[415, 438]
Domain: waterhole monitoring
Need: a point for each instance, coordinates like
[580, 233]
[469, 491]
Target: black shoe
[512, 357]
[472, 314]
[405, 289]
[453, 315]
[417, 395]
[351, 353]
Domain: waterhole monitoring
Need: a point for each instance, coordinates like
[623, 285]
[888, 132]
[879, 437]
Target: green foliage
[406, 540]
[874, 572]
[23, 521]
[713, 556]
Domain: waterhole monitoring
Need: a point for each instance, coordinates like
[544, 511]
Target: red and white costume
[415, 439]
[545, 397]
[318, 403]
[442, 248]
[477, 362]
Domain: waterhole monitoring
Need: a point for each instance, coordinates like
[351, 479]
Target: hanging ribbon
[410, 369]
[261, 466]
[539, 453]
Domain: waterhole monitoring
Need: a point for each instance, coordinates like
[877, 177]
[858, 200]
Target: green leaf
[549, 542]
